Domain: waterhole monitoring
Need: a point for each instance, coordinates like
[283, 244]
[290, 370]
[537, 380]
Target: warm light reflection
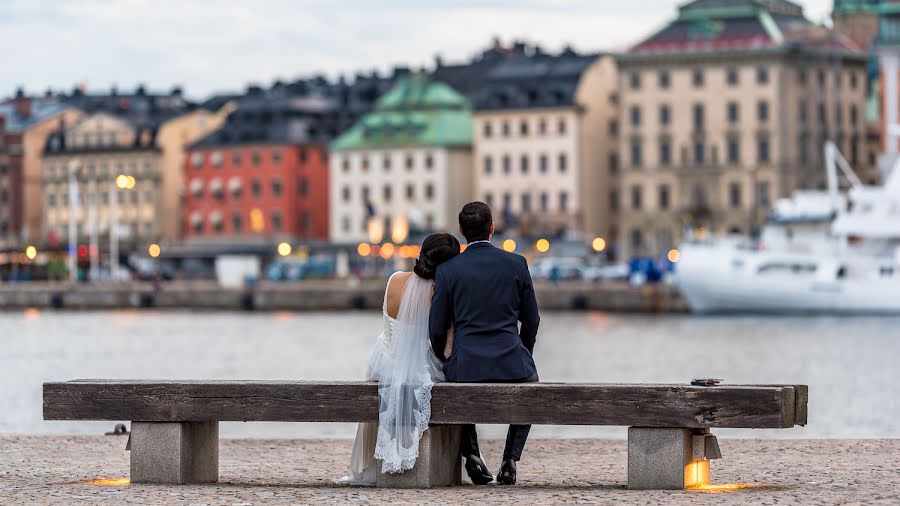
[399, 229]
[542, 245]
[32, 313]
[108, 482]
[364, 249]
[375, 228]
[696, 473]
[30, 252]
[599, 244]
[122, 181]
[154, 250]
[674, 255]
[722, 487]
[130, 182]
[387, 250]
[284, 249]
[509, 245]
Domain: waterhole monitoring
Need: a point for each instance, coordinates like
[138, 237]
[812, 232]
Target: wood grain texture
[640, 405]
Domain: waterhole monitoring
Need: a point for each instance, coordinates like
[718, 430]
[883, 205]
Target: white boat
[820, 252]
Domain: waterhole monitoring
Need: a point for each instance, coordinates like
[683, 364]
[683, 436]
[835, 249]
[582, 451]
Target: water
[850, 364]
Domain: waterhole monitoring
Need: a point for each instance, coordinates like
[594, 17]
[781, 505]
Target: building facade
[83, 161]
[11, 154]
[406, 164]
[544, 149]
[726, 109]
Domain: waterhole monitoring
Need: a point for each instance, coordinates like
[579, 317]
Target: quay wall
[310, 296]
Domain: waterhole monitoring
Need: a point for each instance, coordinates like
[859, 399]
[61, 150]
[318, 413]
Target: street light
[364, 249]
[542, 245]
[154, 250]
[30, 252]
[284, 249]
[509, 245]
[121, 182]
[599, 244]
[674, 256]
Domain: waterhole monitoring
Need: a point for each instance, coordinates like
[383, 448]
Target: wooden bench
[174, 436]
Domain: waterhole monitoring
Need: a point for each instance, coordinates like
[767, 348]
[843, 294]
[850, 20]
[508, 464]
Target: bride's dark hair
[436, 249]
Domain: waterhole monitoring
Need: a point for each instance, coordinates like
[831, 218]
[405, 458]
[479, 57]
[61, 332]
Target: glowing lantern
[509, 245]
[542, 245]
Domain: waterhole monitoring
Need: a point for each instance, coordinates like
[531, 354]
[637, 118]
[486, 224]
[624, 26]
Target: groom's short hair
[475, 221]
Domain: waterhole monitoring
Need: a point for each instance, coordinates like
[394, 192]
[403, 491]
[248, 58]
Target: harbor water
[850, 364]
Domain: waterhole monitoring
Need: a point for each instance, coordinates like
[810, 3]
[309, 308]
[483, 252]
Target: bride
[405, 368]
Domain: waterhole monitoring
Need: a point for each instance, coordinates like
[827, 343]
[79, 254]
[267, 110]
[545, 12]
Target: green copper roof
[855, 6]
[415, 112]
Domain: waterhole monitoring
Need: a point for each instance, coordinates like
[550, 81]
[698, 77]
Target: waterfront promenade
[91, 469]
[311, 296]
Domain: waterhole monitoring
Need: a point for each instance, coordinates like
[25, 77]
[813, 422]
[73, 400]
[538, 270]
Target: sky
[209, 46]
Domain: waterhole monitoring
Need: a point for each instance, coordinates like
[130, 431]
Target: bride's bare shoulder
[395, 291]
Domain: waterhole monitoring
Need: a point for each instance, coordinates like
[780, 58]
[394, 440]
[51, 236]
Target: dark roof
[139, 108]
[144, 140]
[535, 80]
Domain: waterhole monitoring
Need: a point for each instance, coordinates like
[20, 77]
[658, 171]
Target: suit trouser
[515, 436]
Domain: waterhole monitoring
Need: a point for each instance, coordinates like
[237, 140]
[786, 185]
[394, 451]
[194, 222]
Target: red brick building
[11, 156]
[267, 189]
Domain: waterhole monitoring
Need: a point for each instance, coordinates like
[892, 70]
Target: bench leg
[174, 453]
[663, 459]
[438, 465]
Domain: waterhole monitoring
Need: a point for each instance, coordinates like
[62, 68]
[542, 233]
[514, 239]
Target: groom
[484, 293]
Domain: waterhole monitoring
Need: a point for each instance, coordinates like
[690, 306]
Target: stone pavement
[56, 470]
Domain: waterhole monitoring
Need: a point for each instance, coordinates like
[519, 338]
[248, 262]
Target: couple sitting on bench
[454, 318]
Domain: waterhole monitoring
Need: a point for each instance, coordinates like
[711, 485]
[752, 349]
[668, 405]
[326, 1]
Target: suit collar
[479, 245]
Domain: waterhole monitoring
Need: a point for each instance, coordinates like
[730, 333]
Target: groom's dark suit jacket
[484, 292]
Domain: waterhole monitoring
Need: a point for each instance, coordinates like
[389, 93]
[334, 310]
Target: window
[526, 202]
[542, 127]
[762, 75]
[664, 114]
[763, 193]
[853, 115]
[488, 164]
[276, 221]
[237, 222]
[734, 151]
[698, 78]
[409, 162]
[505, 129]
[507, 199]
[51, 200]
[255, 158]
[731, 76]
[523, 128]
[821, 110]
[386, 193]
[698, 117]
[762, 152]
[276, 156]
[838, 81]
[663, 196]
[734, 195]
[365, 194]
[635, 81]
[365, 164]
[255, 188]
[801, 112]
[542, 163]
[276, 187]
[635, 116]
[303, 188]
[664, 80]
[429, 191]
[637, 240]
[561, 126]
[734, 114]
[544, 202]
[665, 152]
[636, 197]
[563, 162]
[613, 128]
[820, 76]
[487, 129]
[197, 159]
[636, 153]
[345, 223]
[489, 199]
[563, 202]
[614, 163]
[429, 161]
[506, 164]
[346, 193]
[303, 156]
[801, 76]
[345, 165]
[762, 111]
[613, 200]
[699, 153]
[523, 163]
[838, 115]
[853, 80]
[386, 163]
[410, 192]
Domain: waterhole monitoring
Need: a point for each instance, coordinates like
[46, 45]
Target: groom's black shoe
[478, 471]
[507, 473]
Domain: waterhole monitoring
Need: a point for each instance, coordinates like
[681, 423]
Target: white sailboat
[820, 252]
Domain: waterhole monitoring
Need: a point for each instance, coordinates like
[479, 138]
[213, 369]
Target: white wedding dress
[405, 368]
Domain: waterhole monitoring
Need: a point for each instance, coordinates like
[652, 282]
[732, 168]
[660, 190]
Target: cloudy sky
[220, 45]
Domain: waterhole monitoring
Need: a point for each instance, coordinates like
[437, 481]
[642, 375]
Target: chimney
[22, 104]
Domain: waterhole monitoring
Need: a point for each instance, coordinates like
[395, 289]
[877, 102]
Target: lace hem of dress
[395, 458]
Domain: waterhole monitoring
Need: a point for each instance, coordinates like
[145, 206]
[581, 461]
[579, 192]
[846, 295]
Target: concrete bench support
[669, 459]
[439, 463]
[174, 453]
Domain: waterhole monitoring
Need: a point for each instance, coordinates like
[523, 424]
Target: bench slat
[731, 406]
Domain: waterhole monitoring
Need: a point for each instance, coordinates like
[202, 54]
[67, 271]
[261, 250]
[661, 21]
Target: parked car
[612, 272]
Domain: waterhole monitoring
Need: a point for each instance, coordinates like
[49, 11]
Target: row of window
[530, 203]
[732, 78]
[98, 139]
[102, 170]
[525, 161]
[145, 229]
[698, 199]
[408, 163]
[215, 223]
[217, 188]
[132, 196]
[216, 158]
[822, 114]
[387, 193]
[364, 224]
[701, 154]
[732, 114]
[523, 128]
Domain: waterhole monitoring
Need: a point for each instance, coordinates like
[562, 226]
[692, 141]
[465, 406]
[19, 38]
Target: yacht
[829, 252]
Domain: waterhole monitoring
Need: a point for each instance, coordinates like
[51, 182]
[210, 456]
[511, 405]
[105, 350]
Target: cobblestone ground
[55, 470]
